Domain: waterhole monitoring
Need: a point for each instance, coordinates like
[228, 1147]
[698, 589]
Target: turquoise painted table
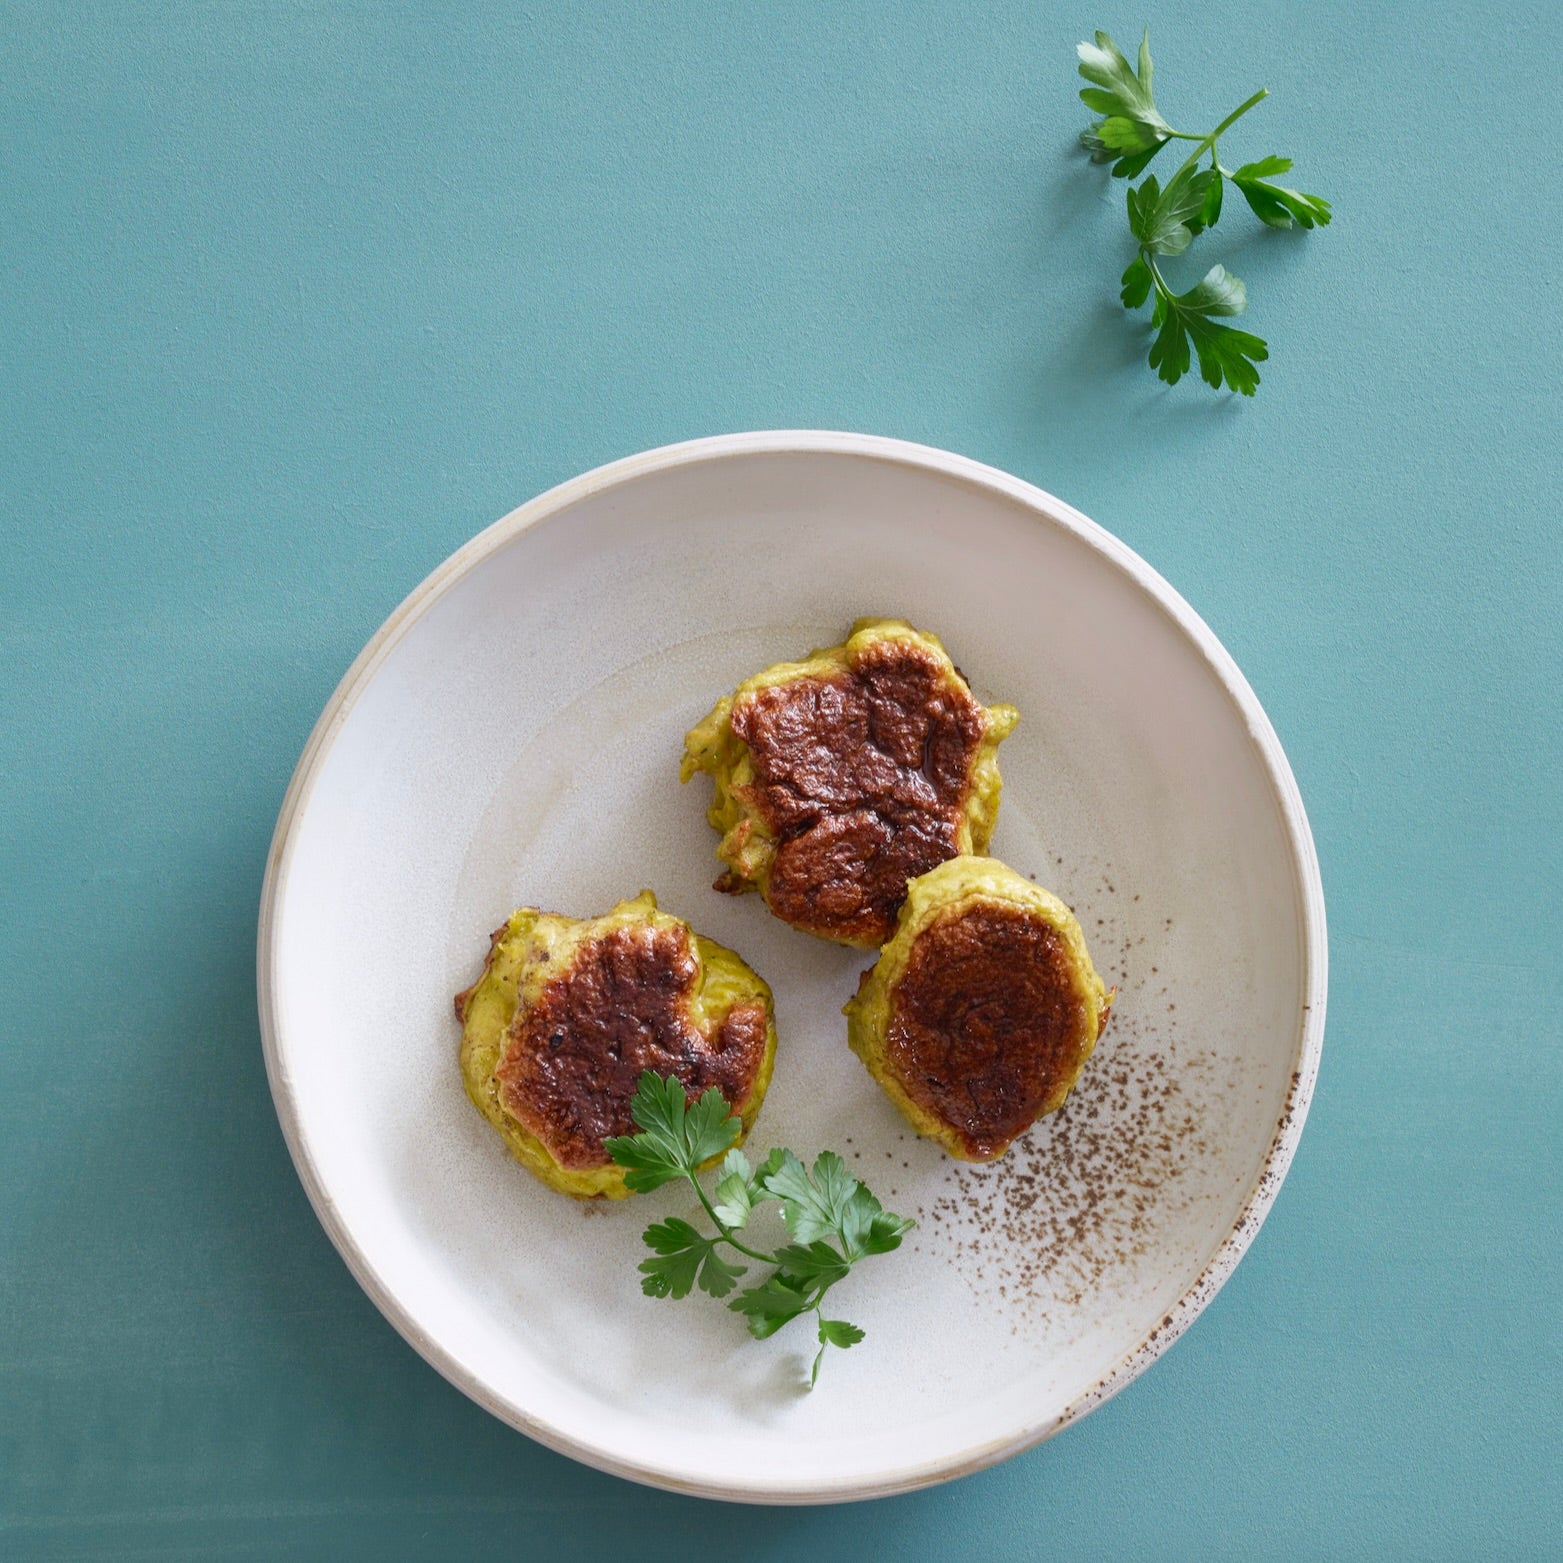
[297, 297]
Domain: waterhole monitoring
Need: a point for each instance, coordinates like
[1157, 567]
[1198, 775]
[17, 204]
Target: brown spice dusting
[1091, 1185]
[862, 778]
[571, 1060]
[1079, 1193]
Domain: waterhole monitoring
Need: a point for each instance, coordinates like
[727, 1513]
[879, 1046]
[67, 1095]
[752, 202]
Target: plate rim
[1307, 882]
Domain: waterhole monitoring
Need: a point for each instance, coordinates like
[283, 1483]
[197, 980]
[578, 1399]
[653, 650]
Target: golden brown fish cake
[841, 777]
[982, 1010]
[569, 1011]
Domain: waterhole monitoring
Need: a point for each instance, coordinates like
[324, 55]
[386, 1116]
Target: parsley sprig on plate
[1165, 219]
[832, 1219]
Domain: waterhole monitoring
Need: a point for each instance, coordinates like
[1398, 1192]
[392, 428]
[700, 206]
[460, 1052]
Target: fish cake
[841, 777]
[982, 1010]
[569, 1011]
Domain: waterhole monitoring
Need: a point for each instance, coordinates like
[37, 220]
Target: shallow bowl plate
[512, 735]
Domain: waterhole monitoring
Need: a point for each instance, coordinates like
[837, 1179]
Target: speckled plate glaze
[512, 735]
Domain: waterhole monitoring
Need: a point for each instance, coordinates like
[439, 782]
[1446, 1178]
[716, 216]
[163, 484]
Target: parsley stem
[1240, 111]
[824, 1345]
[727, 1236]
[1208, 143]
[1155, 271]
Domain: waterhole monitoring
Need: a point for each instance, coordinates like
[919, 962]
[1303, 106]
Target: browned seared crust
[988, 1026]
[861, 777]
[572, 1059]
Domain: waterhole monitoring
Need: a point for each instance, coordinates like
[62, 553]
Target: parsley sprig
[1164, 220]
[832, 1219]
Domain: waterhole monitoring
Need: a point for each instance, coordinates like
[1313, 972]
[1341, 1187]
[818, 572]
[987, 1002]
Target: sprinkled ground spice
[1088, 1188]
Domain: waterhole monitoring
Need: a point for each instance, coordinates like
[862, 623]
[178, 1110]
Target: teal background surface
[298, 297]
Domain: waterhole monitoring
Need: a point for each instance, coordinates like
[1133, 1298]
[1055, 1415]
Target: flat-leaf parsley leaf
[1165, 220]
[832, 1219]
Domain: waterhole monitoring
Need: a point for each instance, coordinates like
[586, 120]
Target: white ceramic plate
[512, 735]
